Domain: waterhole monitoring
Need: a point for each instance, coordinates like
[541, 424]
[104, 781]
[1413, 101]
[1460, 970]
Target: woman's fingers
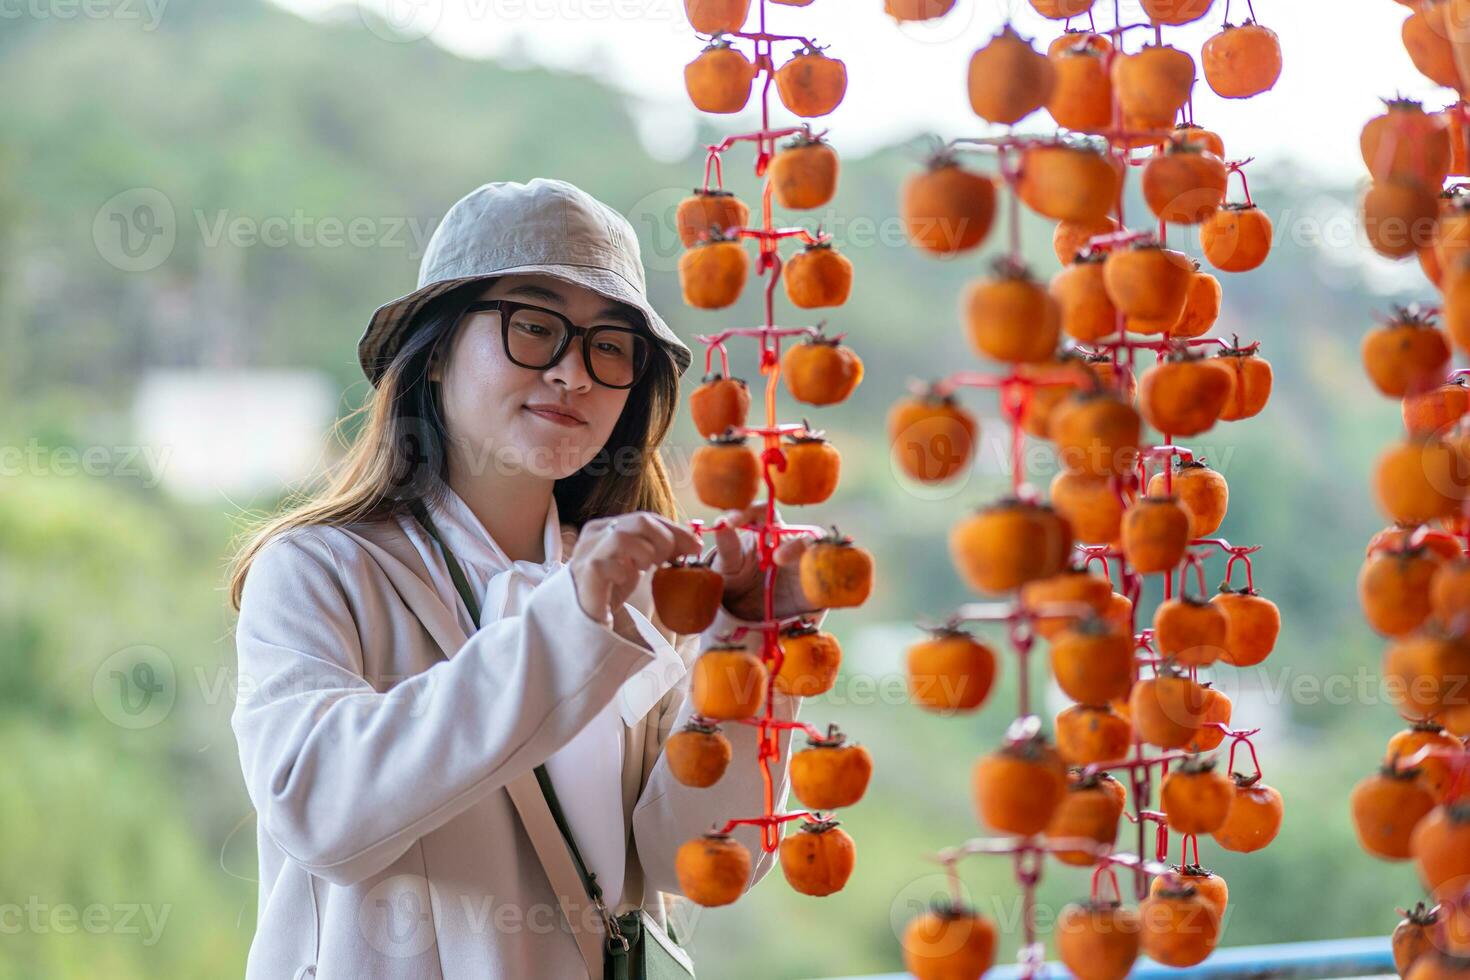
[789, 552]
[730, 548]
[666, 538]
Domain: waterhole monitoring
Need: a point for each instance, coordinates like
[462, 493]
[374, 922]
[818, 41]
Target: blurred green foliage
[240, 110]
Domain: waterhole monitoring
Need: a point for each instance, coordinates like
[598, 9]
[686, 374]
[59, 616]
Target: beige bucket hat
[504, 227]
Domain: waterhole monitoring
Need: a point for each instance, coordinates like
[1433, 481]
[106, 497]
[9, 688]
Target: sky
[908, 80]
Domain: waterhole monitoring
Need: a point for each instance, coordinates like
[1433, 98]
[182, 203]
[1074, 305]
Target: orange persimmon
[945, 208]
[830, 773]
[836, 573]
[1019, 786]
[821, 370]
[713, 869]
[1008, 543]
[932, 435]
[950, 672]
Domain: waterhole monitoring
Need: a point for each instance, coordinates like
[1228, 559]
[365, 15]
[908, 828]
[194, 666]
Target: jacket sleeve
[345, 777]
[668, 813]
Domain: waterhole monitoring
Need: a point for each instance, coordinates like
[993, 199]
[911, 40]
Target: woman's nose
[571, 370]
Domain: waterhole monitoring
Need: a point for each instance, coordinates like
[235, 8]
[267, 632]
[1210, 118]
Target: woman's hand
[612, 553]
[737, 557]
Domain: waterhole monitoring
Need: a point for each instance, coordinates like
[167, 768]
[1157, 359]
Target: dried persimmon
[713, 869]
[1092, 734]
[932, 435]
[1393, 589]
[1098, 433]
[1419, 479]
[1087, 313]
[713, 271]
[1149, 285]
[1255, 816]
[1202, 490]
[709, 208]
[1241, 62]
[1405, 141]
[1440, 845]
[1435, 771]
[1075, 590]
[811, 83]
[818, 275]
[812, 469]
[725, 472]
[835, 572]
[810, 660]
[720, 78]
[1152, 85]
[1082, 98]
[830, 773]
[1252, 624]
[1179, 927]
[1251, 378]
[948, 942]
[1009, 79]
[717, 16]
[1091, 505]
[1168, 709]
[1413, 937]
[1195, 798]
[698, 754]
[819, 858]
[821, 370]
[1184, 394]
[1088, 811]
[1155, 533]
[1386, 807]
[719, 403]
[1011, 317]
[1436, 409]
[1008, 543]
[687, 594]
[1236, 238]
[1092, 662]
[1019, 786]
[945, 208]
[1184, 184]
[728, 682]
[803, 173]
[950, 672]
[1098, 941]
[1190, 630]
[1069, 181]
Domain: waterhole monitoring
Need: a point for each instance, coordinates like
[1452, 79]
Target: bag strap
[616, 943]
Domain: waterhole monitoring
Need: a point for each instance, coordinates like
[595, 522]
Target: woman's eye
[610, 348]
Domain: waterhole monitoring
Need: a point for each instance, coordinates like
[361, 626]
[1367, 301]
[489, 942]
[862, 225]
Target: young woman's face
[548, 422]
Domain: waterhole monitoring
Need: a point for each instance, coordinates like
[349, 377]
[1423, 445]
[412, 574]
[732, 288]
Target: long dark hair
[399, 453]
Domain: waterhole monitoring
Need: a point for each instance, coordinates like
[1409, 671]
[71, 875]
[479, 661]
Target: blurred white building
[233, 433]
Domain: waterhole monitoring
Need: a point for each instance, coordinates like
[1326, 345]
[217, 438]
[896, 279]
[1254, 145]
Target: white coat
[388, 844]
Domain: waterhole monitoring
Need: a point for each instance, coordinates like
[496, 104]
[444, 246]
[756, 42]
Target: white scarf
[504, 586]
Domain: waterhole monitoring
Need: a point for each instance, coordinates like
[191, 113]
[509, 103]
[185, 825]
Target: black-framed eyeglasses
[538, 338]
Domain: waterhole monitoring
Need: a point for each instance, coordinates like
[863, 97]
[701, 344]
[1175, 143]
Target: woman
[521, 393]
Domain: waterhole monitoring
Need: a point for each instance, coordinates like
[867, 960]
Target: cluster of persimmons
[793, 465]
[1414, 584]
[1067, 349]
